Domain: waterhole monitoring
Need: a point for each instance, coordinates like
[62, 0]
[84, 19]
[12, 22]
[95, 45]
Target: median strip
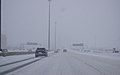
[16, 61]
[18, 67]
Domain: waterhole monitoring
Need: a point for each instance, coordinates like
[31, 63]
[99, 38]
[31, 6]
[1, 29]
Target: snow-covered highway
[70, 63]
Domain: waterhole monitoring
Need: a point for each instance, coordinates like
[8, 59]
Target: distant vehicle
[56, 51]
[115, 51]
[1, 50]
[41, 52]
[4, 51]
[64, 50]
[29, 50]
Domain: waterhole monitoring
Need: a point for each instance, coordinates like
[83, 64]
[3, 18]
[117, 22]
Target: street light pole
[49, 28]
[55, 35]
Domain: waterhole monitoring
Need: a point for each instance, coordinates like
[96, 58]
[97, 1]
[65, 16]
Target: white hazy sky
[89, 21]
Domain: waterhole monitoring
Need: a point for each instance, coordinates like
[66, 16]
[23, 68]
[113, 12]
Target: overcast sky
[93, 22]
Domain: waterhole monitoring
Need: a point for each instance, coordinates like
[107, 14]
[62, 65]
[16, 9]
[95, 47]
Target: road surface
[70, 63]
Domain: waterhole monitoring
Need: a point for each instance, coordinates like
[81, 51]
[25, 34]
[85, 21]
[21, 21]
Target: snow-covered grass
[103, 54]
[17, 50]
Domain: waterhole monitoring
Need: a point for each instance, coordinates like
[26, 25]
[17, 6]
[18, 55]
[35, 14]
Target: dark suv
[41, 52]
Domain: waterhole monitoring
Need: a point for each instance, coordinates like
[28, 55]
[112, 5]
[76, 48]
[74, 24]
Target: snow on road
[70, 63]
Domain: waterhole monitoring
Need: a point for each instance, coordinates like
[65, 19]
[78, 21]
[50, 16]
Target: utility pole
[55, 35]
[0, 25]
[95, 42]
[49, 27]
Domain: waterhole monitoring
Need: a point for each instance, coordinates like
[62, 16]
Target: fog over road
[70, 63]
